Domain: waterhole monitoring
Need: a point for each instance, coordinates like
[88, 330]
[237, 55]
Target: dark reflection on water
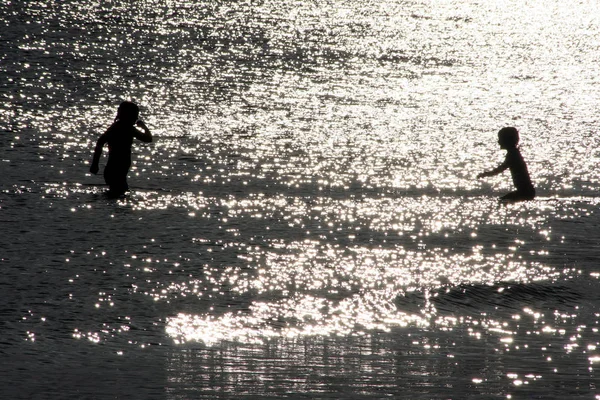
[59, 369]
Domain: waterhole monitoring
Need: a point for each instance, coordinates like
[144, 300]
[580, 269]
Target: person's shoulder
[121, 128]
[112, 128]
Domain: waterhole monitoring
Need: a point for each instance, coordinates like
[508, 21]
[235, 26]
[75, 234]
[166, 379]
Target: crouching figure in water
[508, 139]
[119, 137]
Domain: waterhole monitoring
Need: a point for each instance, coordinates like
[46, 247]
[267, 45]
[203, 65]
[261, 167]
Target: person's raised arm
[146, 136]
[97, 153]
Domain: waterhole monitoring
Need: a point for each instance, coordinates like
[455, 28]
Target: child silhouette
[508, 138]
[119, 137]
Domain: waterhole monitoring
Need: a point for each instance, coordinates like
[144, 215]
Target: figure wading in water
[508, 139]
[120, 139]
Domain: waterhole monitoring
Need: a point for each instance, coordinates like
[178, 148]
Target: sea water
[307, 222]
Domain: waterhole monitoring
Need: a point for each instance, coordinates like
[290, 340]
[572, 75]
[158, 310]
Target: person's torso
[518, 170]
[120, 139]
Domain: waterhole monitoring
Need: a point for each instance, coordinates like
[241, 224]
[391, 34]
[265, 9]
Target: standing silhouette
[508, 139]
[119, 137]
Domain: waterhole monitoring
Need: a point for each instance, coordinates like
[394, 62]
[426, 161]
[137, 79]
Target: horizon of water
[307, 222]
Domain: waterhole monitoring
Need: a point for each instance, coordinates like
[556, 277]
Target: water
[307, 223]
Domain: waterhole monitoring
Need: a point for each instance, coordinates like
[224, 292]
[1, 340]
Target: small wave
[477, 298]
[504, 295]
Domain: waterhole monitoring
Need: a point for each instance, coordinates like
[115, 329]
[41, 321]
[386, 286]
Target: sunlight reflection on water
[355, 276]
[312, 181]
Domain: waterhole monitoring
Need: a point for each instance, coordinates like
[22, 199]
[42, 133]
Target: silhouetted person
[508, 138]
[120, 139]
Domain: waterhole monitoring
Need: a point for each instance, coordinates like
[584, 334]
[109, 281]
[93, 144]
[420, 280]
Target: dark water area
[307, 222]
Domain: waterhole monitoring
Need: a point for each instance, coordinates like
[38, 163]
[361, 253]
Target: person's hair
[128, 112]
[509, 136]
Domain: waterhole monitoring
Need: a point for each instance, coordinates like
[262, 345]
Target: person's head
[128, 112]
[508, 137]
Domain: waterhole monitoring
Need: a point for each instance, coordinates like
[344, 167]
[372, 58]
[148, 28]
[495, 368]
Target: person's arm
[97, 153]
[499, 169]
[146, 136]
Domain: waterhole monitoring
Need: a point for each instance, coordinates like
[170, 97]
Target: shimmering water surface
[307, 223]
